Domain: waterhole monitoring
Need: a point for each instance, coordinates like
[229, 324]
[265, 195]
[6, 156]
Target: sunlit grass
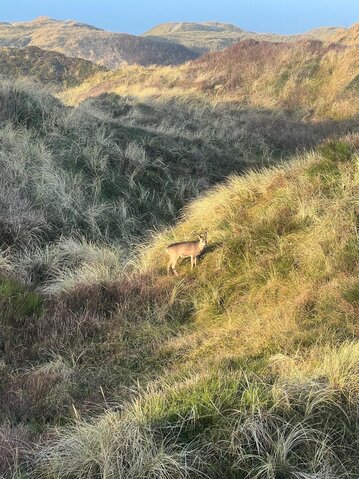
[317, 79]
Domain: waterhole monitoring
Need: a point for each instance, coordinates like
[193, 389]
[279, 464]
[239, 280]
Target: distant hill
[176, 27]
[325, 34]
[79, 40]
[215, 36]
[45, 66]
[201, 37]
[207, 36]
[165, 44]
[321, 79]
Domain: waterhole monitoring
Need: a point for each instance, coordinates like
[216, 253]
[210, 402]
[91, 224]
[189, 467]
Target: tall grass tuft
[114, 447]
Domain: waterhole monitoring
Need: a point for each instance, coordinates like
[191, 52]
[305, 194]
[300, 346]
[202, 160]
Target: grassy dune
[78, 40]
[318, 79]
[210, 36]
[107, 172]
[50, 68]
[349, 36]
[215, 36]
[245, 367]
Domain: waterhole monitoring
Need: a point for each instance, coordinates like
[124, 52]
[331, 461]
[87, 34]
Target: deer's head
[202, 239]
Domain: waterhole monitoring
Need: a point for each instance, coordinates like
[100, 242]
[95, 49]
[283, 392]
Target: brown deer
[185, 249]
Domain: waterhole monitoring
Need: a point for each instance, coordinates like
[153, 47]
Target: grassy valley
[246, 366]
[114, 168]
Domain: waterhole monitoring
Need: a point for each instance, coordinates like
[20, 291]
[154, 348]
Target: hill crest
[210, 26]
[216, 36]
[80, 40]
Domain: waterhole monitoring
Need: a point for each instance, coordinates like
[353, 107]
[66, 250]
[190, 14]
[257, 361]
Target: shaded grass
[47, 67]
[228, 425]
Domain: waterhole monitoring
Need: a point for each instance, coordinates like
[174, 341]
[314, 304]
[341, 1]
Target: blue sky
[137, 16]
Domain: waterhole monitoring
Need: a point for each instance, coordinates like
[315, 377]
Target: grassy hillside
[112, 169]
[172, 27]
[318, 79]
[47, 67]
[215, 36]
[201, 37]
[85, 41]
[244, 368]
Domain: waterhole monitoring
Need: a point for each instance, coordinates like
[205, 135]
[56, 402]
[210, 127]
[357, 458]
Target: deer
[185, 249]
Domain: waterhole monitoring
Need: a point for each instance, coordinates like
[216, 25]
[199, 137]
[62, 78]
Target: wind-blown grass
[245, 367]
[312, 77]
[109, 171]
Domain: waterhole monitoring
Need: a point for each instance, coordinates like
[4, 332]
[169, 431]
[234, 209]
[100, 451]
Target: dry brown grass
[285, 252]
[309, 76]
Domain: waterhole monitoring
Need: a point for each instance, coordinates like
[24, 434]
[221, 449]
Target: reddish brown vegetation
[81, 342]
[239, 61]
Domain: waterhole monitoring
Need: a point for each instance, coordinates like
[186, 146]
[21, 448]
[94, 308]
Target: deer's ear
[199, 236]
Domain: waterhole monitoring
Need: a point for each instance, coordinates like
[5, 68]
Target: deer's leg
[169, 265]
[192, 262]
[195, 260]
[174, 262]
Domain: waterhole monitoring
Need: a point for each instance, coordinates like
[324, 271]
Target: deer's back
[186, 248]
